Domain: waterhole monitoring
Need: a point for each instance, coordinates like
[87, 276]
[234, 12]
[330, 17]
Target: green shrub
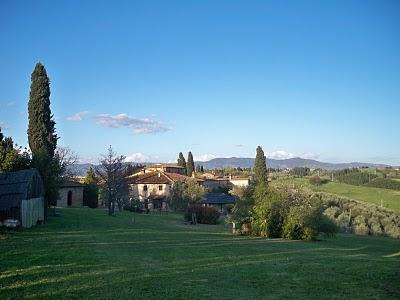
[316, 180]
[204, 214]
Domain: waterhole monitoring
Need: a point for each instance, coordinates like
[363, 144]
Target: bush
[305, 222]
[204, 214]
[316, 180]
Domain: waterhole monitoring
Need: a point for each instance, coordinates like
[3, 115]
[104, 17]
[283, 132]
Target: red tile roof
[157, 178]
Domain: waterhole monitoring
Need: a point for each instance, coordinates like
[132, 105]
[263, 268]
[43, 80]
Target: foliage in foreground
[274, 214]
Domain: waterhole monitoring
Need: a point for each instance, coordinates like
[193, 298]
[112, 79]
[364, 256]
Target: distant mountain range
[289, 163]
[242, 162]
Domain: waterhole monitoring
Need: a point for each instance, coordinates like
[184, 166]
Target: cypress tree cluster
[190, 165]
[182, 161]
[260, 167]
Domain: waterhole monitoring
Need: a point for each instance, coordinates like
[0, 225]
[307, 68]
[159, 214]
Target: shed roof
[218, 198]
[18, 186]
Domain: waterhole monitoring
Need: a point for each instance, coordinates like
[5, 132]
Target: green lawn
[390, 198]
[87, 254]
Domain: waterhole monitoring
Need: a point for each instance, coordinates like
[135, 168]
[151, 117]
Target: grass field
[87, 254]
[390, 198]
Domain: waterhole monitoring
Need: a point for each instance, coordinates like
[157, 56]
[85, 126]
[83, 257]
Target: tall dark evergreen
[260, 167]
[190, 164]
[42, 137]
[41, 128]
[182, 161]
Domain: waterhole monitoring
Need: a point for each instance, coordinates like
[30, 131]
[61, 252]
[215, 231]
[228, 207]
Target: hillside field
[389, 198]
[87, 254]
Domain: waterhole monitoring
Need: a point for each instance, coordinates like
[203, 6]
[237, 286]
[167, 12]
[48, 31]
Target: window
[145, 188]
[160, 187]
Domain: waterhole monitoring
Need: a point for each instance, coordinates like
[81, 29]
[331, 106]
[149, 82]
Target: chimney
[159, 174]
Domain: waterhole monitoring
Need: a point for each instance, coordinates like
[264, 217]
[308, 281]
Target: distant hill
[243, 162]
[290, 163]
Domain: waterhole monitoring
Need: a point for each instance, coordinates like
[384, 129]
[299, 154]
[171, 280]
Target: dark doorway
[69, 200]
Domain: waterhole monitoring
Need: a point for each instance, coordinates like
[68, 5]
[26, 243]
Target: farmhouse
[21, 198]
[71, 194]
[153, 188]
[167, 168]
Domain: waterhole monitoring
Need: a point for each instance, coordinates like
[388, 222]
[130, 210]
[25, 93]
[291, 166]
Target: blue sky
[317, 79]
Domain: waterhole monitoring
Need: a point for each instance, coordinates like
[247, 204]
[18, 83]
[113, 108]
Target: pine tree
[41, 128]
[182, 161]
[202, 169]
[190, 165]
[260, 167]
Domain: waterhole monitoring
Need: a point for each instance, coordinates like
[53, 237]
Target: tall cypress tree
[190, 164]
[41, 128]
[41, 135]
[182, 161]
[260, 167]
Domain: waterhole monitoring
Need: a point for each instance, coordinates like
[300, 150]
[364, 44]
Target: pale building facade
[70, 194]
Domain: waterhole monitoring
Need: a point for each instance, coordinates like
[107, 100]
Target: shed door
[69, 199]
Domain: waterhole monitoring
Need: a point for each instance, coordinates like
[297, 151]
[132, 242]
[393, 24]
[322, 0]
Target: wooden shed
[21, 198]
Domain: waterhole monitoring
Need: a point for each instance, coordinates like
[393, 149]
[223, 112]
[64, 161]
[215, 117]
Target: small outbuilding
[217, 199]
[71, 194]
[21, 198]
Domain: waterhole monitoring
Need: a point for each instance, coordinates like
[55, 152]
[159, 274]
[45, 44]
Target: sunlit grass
[87, 254]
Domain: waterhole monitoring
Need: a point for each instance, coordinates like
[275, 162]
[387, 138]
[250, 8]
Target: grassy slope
[390, 198]
[86, 254]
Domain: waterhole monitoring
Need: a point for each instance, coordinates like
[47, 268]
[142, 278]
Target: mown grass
[389, 198]
[87, 254]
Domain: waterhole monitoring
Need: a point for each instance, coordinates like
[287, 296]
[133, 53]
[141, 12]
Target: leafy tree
[90, 190]
[190, 165]
[193, 192]
[112, 175]
[182, 161]
[176, 198]
[11, 157]
[260, 167]
[185, 193]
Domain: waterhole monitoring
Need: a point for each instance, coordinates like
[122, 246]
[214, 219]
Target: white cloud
[137, 157]
[139, 125]
[7, 104]
[78, 116]
[204, 157]
[280, 154]
[4, 125]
